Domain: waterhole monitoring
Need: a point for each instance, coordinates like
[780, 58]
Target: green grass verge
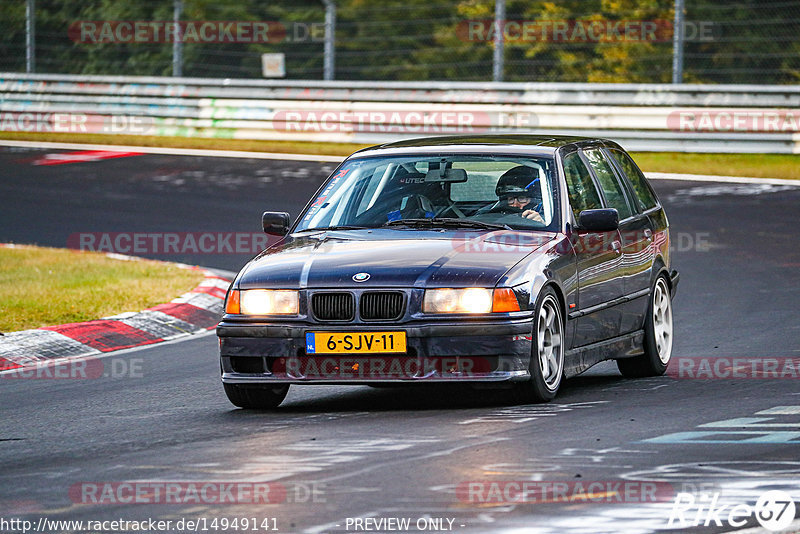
[47, 286]
[755, 165]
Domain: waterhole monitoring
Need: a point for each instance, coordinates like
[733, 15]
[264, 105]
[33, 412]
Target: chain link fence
[745, 42]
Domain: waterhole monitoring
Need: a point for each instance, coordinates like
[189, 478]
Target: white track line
[724, 179]
[338, 159]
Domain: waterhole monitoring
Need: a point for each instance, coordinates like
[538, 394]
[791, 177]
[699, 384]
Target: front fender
[554, 265]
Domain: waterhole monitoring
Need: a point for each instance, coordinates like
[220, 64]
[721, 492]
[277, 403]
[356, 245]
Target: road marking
[719, 470]
[781, 410]
[741, 430]
[356, 446]
[83, 156]
[748, 436]
[525, 414]
[749, 422]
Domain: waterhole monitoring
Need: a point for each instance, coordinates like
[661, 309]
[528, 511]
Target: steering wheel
[503, 208]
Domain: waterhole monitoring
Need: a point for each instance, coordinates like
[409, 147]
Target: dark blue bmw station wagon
[516, 261]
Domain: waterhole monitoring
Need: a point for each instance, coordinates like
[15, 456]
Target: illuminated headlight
[471, 300]
[269, 302]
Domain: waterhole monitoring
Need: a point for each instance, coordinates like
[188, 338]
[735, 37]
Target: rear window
[582, 192]
[612, 189]
[644, 195]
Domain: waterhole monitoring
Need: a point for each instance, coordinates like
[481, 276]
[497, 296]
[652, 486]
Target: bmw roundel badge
[361, 277]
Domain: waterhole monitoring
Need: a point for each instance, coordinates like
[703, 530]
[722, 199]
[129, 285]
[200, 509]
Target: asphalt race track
[338, 455]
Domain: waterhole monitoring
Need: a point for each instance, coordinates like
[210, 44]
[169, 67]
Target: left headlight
[470, 300]
[263, 302]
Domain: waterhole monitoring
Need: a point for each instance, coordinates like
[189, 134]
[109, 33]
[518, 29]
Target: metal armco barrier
[683, 118]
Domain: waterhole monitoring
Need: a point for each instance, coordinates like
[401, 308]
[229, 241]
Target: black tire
[657, 346]
[256, 397]
[544, 383]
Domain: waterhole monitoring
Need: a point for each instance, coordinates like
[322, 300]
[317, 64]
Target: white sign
[273, 65]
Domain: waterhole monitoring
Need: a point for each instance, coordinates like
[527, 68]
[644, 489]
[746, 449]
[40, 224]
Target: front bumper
[486, 351]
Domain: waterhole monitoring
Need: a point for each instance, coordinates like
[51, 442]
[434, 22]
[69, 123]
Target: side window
[582, 192]
[644, 195]
[612, 189]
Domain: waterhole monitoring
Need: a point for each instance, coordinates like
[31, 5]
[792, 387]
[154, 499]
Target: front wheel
[256, 398]
[657, 336]
[547, 352]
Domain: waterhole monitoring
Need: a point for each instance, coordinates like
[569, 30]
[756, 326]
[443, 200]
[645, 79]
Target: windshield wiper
[327, 228]
[448, 222]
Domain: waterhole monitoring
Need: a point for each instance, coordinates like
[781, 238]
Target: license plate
[355, 342]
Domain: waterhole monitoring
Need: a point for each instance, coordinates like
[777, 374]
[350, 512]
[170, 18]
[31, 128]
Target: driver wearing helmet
[519, 189]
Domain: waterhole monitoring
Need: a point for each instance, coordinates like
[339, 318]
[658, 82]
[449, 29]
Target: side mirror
[603, 220]
[275, 222]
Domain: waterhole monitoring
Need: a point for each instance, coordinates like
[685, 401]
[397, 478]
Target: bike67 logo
[775, 510]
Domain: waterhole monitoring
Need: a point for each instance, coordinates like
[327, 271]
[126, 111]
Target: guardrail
[685, 118]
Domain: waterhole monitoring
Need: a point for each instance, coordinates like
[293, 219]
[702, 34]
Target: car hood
[391, 258]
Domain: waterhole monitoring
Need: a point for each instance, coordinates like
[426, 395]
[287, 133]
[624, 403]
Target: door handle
[616, 246]
[648, 233]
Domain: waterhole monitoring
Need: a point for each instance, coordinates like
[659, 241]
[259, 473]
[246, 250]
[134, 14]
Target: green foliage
[750, 41]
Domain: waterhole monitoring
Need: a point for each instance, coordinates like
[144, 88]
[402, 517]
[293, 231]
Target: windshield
[477, 191]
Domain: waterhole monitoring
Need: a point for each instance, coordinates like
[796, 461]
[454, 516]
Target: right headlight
[470, 300]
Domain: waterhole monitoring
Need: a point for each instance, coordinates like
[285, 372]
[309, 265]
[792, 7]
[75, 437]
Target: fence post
[177, 44]
[30, 36]
[330, 37]
[677, 44]
[499, 23]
